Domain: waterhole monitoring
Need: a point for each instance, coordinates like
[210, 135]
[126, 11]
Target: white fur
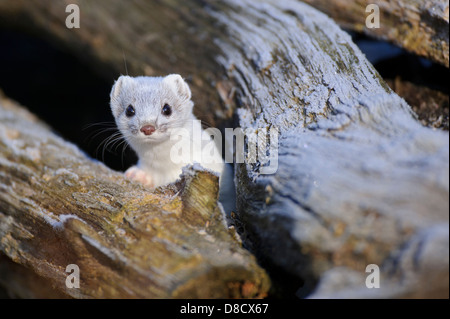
[148, 95]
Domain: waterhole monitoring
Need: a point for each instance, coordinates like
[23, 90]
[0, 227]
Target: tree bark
[359, 180]
[420, 27]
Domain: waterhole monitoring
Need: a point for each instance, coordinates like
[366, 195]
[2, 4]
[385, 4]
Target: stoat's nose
[148, 129]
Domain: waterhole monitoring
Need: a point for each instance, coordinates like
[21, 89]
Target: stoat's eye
[130, 111]
[166, 110]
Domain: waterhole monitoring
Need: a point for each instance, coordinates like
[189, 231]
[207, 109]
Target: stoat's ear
[178, 85]
[122, 82]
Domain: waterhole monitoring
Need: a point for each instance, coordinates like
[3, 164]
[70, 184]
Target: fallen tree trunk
[58, 208]
[420, 27]
[359, 180]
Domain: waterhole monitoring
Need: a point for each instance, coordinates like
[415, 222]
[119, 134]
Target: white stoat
[148, 111]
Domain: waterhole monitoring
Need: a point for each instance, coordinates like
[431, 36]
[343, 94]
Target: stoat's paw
[139, 175]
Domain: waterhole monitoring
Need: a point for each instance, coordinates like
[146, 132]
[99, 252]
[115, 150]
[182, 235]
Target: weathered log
[58, 207]
[359, 180]
[417, 26]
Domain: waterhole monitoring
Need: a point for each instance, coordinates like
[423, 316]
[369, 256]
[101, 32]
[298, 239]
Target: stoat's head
[148, 109]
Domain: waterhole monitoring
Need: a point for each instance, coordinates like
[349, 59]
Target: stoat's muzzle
[148, 129]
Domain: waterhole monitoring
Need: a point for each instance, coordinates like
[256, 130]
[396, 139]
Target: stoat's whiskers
[112, 143]
[104, 127]
[99, 124]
